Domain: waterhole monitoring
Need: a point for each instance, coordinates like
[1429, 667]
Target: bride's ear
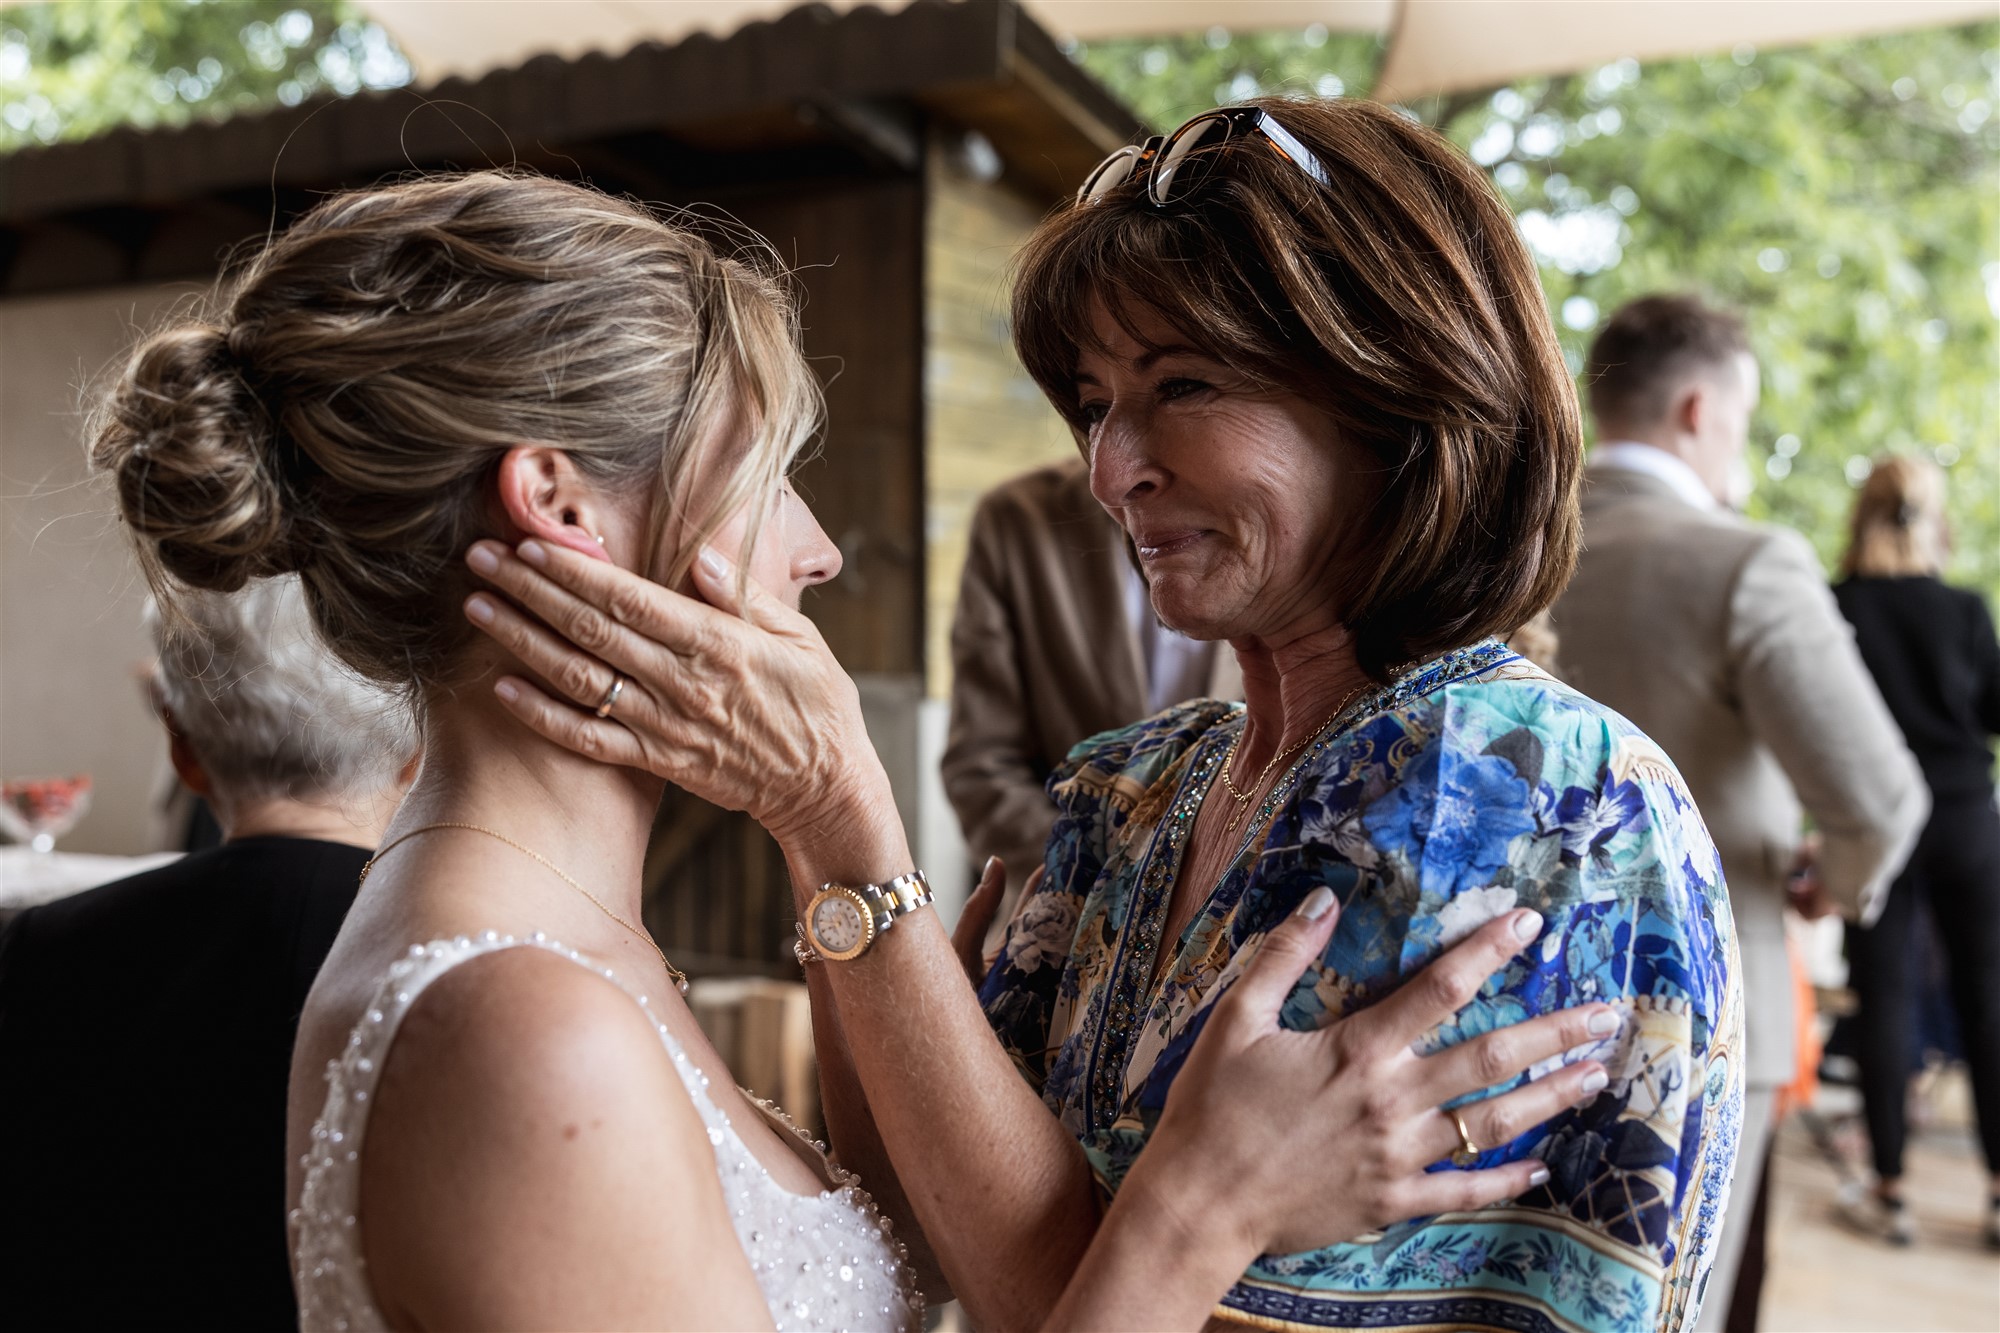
[543, 496]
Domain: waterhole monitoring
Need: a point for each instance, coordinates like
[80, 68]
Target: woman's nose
[1122, 468]
[817, 559]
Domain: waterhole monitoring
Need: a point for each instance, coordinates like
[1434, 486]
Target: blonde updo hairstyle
[337, 407]
[1898, 526]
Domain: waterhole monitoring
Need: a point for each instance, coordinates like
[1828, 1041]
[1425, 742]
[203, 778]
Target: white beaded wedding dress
[824, 1261]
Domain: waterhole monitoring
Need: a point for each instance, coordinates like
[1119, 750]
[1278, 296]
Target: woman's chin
[1184, 610]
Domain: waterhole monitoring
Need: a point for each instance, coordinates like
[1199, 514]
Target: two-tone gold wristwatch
[844, 920]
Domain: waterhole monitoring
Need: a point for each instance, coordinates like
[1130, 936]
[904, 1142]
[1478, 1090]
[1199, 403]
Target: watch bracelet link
[906, 893]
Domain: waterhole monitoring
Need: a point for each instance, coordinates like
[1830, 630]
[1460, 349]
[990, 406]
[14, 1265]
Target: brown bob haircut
[1401, 302]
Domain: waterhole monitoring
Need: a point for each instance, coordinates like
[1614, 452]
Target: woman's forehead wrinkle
[1159, 332]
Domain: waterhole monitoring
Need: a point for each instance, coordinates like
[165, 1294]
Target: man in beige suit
[1720, 639]
[1054, 641]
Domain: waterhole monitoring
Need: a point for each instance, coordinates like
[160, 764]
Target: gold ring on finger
[1467, 1152]
[617, 688]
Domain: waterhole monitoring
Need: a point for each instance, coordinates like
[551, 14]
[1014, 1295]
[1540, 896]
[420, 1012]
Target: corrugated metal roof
[804, 76]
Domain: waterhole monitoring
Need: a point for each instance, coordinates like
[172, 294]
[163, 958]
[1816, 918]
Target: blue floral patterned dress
[1476, 784]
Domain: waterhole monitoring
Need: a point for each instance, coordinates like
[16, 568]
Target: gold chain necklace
[1243, 798]
[679, 977]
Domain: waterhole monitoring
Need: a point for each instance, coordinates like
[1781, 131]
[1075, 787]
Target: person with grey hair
[266, 725]
[129, 1140]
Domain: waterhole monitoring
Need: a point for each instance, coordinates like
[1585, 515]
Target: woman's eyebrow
[1148, 359]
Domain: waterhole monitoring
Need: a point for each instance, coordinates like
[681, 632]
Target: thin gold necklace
[679, 977]
[1243, 798]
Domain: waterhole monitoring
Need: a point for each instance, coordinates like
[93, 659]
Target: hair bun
[191, 452]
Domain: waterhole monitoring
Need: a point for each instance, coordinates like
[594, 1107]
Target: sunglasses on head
[1173, 164]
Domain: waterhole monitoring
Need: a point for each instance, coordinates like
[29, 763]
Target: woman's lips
[1158, 546]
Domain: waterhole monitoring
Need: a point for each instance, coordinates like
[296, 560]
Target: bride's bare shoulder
[524, 1030]
[528, 1117]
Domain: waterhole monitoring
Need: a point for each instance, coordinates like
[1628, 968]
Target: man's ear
[543, 496]
[1691, 407]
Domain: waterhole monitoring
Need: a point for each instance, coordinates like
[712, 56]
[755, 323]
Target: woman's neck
[483, 767]
[355, 818]
[1293, 688]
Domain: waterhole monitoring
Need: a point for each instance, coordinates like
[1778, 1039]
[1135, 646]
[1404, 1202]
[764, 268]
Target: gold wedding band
[617, 688]
[1467, 1151]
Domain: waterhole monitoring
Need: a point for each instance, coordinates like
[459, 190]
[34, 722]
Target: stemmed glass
[37, 811]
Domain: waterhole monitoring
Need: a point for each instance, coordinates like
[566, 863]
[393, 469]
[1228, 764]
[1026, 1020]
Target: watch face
[839, 927]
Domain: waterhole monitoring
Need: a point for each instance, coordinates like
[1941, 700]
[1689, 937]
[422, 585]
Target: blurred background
[1845, 192]
[1831, 170]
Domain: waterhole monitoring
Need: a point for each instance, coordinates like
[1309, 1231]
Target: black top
[1932, 652]
[146, 1033]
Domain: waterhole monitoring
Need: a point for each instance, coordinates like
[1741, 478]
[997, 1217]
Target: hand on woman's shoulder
[533, 1158]
[1511, 790]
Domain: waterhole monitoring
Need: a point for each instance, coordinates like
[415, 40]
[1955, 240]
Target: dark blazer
[1933, 654]
[146, 1033]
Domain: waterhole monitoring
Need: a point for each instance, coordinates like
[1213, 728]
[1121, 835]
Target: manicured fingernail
[1538, 1176]
[713, 563]
[533, 552]
[479, 609]
[507, 690]
[987, 869]
[1594, 1081]
[1317, 904]
[483, 557]
[1527, 924]
[1602, 1023]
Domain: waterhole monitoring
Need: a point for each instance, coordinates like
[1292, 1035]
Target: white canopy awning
[469, 37]
[1444, 46]
[1435, 46]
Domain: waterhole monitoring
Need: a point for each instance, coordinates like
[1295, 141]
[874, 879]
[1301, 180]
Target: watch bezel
[860, 905]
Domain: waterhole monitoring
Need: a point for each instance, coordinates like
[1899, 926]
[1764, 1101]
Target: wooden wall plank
[857, 250]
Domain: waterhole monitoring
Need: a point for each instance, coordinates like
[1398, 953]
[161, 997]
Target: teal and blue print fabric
[1474, 785]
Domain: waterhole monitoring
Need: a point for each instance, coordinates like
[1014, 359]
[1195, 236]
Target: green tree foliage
[72, 69]
[1845, 196]
[1168, 79]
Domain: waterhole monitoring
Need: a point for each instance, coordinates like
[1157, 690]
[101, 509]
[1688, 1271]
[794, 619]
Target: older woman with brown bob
[1308, 360]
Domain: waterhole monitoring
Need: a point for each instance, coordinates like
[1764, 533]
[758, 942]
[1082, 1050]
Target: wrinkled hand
[737, 700]
[1320, 1137]
[968, 937]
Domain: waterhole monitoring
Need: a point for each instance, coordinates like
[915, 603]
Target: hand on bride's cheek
[792, 551]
